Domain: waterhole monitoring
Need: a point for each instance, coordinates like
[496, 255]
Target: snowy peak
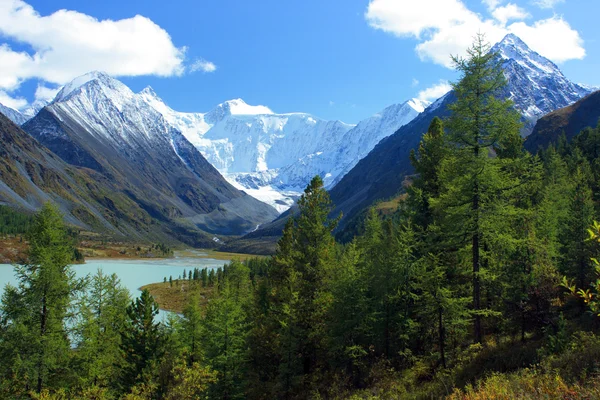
[513, 48]
[235, 107]
[12, 114]
[535, 84]
[418, 105]
[93, 84]
[149, 93]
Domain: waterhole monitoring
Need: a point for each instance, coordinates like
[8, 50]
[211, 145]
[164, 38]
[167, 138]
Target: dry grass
[12, 249]
[217, 255]
[118, 250]
[175, 298]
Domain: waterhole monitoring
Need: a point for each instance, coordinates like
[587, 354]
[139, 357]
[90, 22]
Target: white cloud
[509, 12]
[203, 65]
[16, 103]
[415, 82]
[547, 3]
[435, 92]
[447, 27]
[67, 44]
[491, 4]
[44, 93]
[552, 38]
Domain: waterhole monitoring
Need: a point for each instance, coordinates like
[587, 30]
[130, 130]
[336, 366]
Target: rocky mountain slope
[98, 123]
[571, 120]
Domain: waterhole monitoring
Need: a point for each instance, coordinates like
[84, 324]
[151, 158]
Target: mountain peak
[513, 40]
[235, 107]
[240, 107]
[512, 48]
[149, 92]
[94, 76]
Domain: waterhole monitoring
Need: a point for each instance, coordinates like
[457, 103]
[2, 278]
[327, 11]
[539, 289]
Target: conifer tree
[141, 340]
[35, 342]
[474, 177]
[102, 313]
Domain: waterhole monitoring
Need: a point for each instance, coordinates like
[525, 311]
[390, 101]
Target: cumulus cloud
[435, 92]
[547, 3]
[44, 93]
[67, 44]
[9, 101]
[203, 65]
[447, 27]
[491, 4]
[509, 12]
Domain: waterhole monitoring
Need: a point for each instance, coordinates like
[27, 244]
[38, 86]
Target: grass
[12, 249]
[217, 255]
[175, 298]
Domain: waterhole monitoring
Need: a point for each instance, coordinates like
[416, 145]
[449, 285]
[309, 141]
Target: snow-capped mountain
[273, 156]
[20, 117]
[536, 84]
[97, 122]
[14, 115]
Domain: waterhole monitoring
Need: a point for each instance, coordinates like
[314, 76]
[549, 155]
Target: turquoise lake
[132, 273]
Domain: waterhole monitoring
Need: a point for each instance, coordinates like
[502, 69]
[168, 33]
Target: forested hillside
[483, 284]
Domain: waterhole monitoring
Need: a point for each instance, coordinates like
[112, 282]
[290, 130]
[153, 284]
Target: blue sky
[336, 59]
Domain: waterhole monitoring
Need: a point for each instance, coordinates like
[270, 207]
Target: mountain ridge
[99, 123]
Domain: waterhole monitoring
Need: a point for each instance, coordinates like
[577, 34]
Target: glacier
[273, 156]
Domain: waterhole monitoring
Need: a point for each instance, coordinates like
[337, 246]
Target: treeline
[207, 277]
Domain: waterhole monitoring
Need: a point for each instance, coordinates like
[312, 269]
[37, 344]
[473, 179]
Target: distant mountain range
[270, 156]
[197, 169]
[97, 124]
[274, 156]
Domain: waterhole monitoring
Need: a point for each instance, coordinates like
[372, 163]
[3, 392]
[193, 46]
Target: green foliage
[142, 340]
[101, 321]
[455, 294]
[34, 344]
[14, 222]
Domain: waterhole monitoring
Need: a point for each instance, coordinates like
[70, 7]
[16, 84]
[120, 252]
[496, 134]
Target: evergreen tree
[141, 340]
[225, 343]
[35, 341]
[102, 313]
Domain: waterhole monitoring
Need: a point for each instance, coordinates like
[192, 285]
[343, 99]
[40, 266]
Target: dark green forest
[13, 222]
[483, 284]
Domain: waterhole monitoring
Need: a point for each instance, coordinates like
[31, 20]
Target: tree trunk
[441, 336]
[476, 264]
[40, 366]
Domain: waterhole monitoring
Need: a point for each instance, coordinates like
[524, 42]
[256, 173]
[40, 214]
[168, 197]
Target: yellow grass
[175, 298]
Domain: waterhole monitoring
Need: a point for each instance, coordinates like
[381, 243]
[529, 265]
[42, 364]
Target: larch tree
[479, 126]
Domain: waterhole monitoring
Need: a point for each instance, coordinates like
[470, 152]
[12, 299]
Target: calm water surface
[132, 273]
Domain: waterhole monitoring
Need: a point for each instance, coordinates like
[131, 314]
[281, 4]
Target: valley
[443, 247]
